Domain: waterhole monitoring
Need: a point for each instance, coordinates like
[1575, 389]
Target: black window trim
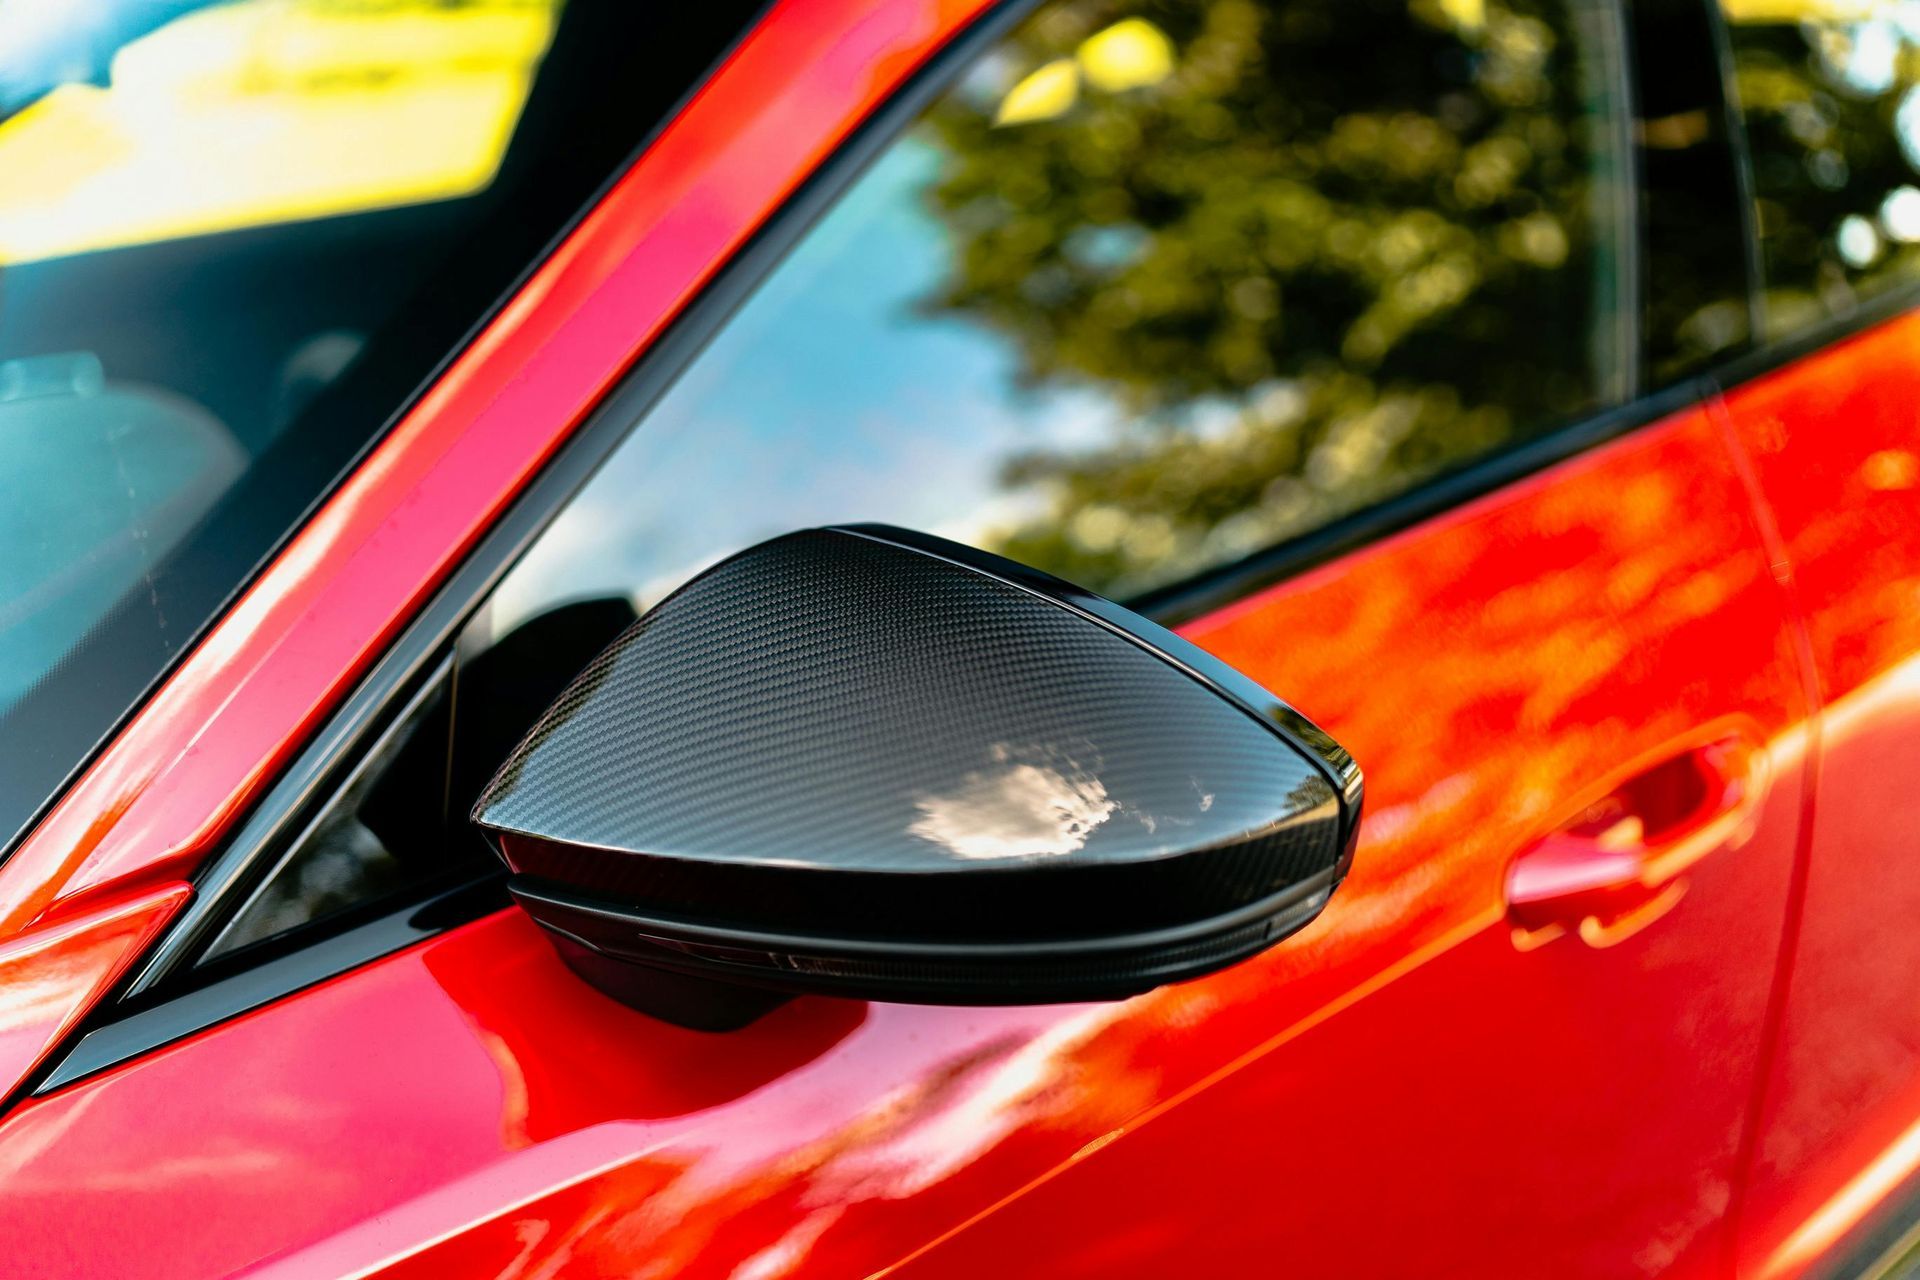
[1865, 316]
[1734, 120]
[158, 1005]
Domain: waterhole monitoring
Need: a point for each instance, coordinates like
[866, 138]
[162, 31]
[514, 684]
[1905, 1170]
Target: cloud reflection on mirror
[1015, 809]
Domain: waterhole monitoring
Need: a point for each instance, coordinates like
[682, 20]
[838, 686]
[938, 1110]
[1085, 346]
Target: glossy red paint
[50, 974]
[1835, 439]
[469, 1107]
[202, 748]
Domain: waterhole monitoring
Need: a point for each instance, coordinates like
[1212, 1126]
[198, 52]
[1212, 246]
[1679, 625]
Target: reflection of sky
[825, 399]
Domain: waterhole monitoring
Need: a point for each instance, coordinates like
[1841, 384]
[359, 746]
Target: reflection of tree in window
[1317, 250]
[1153, 287]
[1830, 93]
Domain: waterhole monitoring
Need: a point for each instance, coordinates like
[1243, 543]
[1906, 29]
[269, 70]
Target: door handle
[1620, 863]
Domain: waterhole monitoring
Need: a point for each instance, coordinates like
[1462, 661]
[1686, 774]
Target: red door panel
[1836, 441]
[1408, 1087]
[1499, 1107]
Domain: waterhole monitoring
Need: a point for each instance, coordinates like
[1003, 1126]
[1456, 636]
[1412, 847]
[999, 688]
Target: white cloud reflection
[1015, 810]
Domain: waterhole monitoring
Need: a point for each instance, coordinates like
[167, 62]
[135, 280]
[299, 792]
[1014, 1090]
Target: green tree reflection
[1828, 95]
[1317, 250]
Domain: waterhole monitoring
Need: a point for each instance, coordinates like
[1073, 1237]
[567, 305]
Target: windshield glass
[235, 238]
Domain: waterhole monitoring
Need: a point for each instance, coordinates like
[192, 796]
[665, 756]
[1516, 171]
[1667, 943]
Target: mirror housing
[868, 762]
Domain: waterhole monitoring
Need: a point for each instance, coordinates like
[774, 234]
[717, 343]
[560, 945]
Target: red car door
[1835, 441]
[1353, 393]
[1837, 1149]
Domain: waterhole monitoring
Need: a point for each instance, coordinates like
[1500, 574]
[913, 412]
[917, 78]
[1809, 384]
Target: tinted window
[234, 238]
[1156, 286]
[1830, 94]
[1152, 287]
[381, 834]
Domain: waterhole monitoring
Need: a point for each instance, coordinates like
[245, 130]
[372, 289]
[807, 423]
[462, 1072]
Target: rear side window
[1830, 96]
[234, 239]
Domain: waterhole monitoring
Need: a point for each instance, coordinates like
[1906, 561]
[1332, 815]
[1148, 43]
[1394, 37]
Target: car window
[234, 239]
[1150, 288]
[380, 835]
[1153, 287]
[1830, 96]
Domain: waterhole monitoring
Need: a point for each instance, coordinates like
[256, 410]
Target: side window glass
[383, 833]
[1830, 96]
[1155, 286]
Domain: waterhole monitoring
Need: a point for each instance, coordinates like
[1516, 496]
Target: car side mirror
[873, 763]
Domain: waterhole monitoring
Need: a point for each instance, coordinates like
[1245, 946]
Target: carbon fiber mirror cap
[867, 762]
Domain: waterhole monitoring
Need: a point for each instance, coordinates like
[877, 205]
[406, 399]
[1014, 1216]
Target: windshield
[235, 239]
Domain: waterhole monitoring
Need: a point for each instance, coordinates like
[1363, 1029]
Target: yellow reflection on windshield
[271, 111]
[1773, 11]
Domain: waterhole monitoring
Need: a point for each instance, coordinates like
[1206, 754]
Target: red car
[544, 728]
